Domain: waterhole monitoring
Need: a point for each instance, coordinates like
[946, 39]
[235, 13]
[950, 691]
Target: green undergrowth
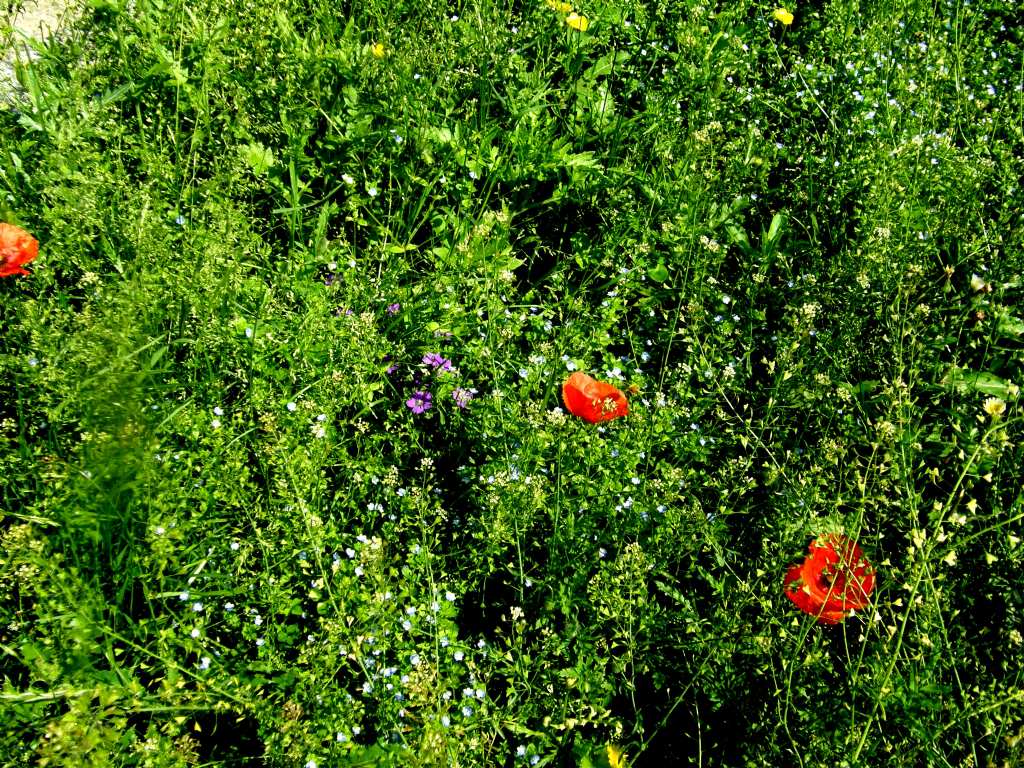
[237, 531]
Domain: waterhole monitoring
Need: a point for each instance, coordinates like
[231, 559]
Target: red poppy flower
[593, 400]
[833, 580]
[17, 247]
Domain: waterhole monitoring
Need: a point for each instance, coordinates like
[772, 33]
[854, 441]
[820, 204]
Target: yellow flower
[616, 756]
[577, 22]
[784, 16]
[994, 407]
[557, 5]
[377, 49]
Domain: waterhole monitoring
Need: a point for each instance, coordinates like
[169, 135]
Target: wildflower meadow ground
[485, 383]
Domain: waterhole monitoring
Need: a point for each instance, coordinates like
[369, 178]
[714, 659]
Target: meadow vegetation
[286, 478]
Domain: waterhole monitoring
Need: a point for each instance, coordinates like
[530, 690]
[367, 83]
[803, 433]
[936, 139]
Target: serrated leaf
[259, 158]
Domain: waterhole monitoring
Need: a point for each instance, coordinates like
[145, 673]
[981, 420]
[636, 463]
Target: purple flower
[419, 402]
[393, 308]
[462, 396]
[435, 361]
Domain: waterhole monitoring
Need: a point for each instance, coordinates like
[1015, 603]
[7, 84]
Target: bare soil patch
[36, 19]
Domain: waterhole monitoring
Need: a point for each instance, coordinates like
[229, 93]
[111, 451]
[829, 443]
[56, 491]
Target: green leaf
[659, 273]
[863, 388]
[968, 382]
[259, 158]
[1010, 326]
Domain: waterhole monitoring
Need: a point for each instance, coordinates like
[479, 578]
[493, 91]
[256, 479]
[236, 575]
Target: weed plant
[285, 478]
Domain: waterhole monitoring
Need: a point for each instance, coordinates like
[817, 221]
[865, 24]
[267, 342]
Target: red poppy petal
[593, 400]
[797, 591]
[831, 617]
[832, 581]
[17, 247]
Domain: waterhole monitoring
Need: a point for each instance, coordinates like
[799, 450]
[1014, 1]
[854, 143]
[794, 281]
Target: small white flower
[195, 632]
[218, 411]
[234, 546]
[215, 423]
[291, 407]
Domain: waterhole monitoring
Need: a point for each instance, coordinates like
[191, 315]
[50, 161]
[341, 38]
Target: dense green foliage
[233, 534]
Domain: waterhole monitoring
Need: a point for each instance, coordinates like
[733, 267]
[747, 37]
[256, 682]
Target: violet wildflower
[462, 396]
[419, 402]
[393, 308]
[437, 362]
